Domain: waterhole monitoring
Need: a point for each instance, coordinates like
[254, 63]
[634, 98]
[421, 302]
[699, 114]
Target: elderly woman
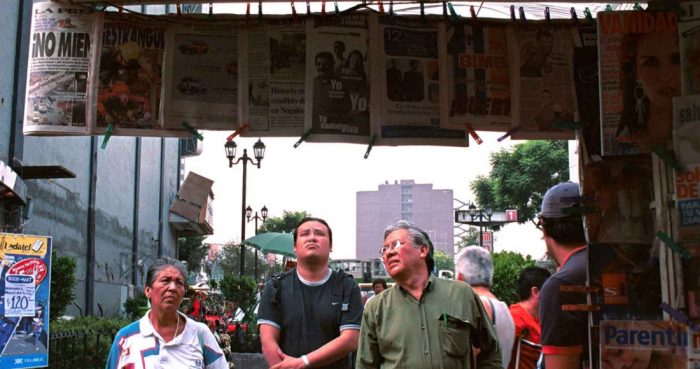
[164, 337]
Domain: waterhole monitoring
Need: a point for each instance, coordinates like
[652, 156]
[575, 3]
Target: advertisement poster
[475, 70]
[635, 48]
[273, 67]
[201, 76]
[25, 263]
[645, 344]
[408, 84]
[61, 56]
[337, 79]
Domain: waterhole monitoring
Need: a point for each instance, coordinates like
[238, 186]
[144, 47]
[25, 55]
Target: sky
[323, 179]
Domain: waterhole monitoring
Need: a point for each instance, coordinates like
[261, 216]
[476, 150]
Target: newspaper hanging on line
[406, 69]
[541, 67]
[25, 280]
[128, 82]
[474, 69]
[337, 80]
[200, 76]
[61, 57]
[647, 344]
[689, 46]
[273, 66]
[686, 128]
[687, 186]
[635, 47]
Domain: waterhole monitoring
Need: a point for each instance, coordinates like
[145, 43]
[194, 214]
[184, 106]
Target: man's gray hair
[418, 238]
[476, 266]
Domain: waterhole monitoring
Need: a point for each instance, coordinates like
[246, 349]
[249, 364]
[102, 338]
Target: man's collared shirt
[437, 331]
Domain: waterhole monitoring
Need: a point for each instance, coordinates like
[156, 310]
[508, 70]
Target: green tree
[507, 266]
[285, 223]
[242, 292]
[521, 175]
[443, 261]
[468, 238]
[62, 284]
[230, 260]
[192, 250]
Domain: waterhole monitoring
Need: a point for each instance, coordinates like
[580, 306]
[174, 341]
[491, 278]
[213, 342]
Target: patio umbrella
[273, 242]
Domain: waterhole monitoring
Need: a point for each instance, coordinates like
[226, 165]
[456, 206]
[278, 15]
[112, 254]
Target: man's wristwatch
[305, 359]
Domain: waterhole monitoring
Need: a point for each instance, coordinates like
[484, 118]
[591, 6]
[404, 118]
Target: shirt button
[422, 327]
[426, 352]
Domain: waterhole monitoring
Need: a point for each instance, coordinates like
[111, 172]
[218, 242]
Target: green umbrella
[273, 242]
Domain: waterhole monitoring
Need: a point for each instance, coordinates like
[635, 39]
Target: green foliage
[468, 238]
[521, 175]
[62, 284]
[133, 306]
[230, 261]
[192, 251]
[507, 266]
[285, 223]
[212, 284]
[84, 342]
[242, 292]
[443, 261]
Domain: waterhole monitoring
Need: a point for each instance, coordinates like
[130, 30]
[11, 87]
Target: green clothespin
[637, 6]
[193, 131]
[337, 11]
[667, 157]
[587, 13]
[422, 11]
[608, 8]
[108, 134]
[675, 247]
[570, 125]
[453, 13]
[303, 137]
[211, 10]
[371, 143]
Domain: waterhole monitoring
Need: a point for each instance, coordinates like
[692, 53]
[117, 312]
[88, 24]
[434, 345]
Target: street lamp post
[258, 153]
[248, 216]
[480, 214]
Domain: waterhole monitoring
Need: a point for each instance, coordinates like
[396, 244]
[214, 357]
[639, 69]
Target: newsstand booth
[622, 82]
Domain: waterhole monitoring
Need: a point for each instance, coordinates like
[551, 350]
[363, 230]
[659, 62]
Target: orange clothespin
[473, 133]
[237, 132]
[323, 8]
[179, 9]
[308, 8]
[247, 10]
[294, 12]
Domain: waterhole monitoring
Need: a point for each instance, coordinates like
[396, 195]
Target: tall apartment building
[428, 208]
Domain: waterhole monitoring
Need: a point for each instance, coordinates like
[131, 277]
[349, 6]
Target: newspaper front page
[475, 71]
[129, 79]
[687, 185]
[274, 73]
[201, 76]
[542, 81]
[686, 128]
[635, 48]
[337, 79]
[689, 45]
[407, 84]
[647, 344]
[61, 56]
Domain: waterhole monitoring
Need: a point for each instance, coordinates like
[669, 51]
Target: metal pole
[481, 232]
[256, 250]
[245, 173]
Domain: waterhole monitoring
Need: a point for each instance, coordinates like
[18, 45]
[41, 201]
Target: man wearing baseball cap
[564, 331]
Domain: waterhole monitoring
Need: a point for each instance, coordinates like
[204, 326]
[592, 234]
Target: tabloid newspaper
[689, 42]
[200, 76]
[543, 97]
[687, 185]
[474, 69]
[636, 106]
[587, 98]
[644, 344]
[128, 81]
[686, 128]
[337, 79]
[61, 56]
[405, 66]
[273, 71]
[621, 190]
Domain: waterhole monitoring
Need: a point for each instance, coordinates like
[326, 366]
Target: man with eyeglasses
[564, 328]
[310, 316]
[423, 322]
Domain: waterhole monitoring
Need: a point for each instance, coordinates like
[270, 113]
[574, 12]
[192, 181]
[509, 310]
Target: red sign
[487, 240]
[511, 215]
[35, 267]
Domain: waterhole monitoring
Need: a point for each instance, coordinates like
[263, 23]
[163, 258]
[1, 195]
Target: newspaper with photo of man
[337, 79]
[541, 60]
[200, 76]
[61, 56]
[272, 70]
[407, 84]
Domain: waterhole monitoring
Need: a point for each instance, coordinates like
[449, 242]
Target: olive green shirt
[437, 332]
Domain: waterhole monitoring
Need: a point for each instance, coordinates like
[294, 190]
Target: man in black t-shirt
[310, 316]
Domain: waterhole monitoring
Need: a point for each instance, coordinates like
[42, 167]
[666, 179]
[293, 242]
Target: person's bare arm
[269, 339]
[561, 361]
[329, 353]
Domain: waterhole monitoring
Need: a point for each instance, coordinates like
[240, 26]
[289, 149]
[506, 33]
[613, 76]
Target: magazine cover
[629, 281]
[200, 76]
[475, 71]
[541, 56]
[129, 76]
[636, 110]
[647, 344]
[407, 84]
[274, 72]
[687, 185]
[689, 44]
[686, 128]
[25, 281]
[61, 56]
[587, 98]
[621, 191]
[337, 80]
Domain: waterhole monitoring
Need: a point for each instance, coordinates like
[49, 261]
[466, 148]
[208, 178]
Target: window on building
[406, 189]
[406, 208]
[406, 197]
